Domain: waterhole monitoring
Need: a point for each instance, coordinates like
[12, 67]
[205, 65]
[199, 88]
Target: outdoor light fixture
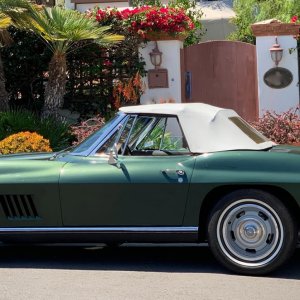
[276, 52]
[157, 77]
[156, 56]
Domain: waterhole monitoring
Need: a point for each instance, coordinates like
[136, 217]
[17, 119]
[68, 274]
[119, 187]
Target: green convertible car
[183, 173]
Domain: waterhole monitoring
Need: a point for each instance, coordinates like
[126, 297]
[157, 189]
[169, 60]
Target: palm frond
[18, 11]
[4, 21]
[70, 25]
[13, 8]
[59, 28]
[109, 39]
[5, 38]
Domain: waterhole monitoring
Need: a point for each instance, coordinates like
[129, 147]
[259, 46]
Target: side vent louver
[18, 207]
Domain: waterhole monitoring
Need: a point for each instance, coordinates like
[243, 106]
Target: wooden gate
[221, 73]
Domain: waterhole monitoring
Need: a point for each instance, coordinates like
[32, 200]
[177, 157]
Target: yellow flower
[24, 142]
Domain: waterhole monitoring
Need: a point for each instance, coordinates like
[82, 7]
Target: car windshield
[146, 135]
[99, 134]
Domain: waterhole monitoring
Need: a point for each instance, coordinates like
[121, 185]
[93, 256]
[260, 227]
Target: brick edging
[275, 28]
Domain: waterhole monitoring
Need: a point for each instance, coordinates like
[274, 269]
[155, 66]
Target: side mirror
[113, 157]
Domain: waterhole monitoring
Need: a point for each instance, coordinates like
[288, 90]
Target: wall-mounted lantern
[157, 77]
[277, 77]
[276, 52]
[156, 56]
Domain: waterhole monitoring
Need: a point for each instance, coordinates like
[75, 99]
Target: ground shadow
[146, 258]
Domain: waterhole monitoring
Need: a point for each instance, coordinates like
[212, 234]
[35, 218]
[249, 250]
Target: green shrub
[25, 63]
[252, 11]
[56, 132]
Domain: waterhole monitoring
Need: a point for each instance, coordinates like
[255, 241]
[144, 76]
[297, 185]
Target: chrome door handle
[173, 172]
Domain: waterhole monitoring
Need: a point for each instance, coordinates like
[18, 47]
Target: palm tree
[4, 40]
[62, 30]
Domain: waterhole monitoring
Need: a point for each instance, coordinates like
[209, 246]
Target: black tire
[251, 232]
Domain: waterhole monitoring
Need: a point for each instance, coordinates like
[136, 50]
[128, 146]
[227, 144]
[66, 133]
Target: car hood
[29, 168]
[30, 156]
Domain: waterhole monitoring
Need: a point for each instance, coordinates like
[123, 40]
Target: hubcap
[250, 232]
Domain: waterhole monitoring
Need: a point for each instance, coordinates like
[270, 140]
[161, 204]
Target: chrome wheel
[250, 233]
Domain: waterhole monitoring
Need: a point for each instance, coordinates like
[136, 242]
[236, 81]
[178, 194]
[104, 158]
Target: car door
[146, 186]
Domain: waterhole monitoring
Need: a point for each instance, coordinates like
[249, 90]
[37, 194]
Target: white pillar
[171, 62]
[278, 100]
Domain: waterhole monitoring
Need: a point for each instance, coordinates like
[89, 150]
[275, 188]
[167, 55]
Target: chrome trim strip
[99, 229]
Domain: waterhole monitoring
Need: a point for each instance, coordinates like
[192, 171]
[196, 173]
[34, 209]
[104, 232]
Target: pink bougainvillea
[280, 128]
[86, 128]
[159, 19]
[147, 19]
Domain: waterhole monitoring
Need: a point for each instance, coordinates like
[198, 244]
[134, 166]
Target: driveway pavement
[134, 272]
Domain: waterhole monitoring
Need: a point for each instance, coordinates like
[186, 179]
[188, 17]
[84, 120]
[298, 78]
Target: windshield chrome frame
[103, 137]
[121, 118]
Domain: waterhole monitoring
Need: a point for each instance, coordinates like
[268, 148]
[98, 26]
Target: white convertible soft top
[208, 128]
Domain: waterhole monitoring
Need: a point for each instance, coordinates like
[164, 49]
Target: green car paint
[34, 175]
[143, 191]
[275, 169]
[87, 191]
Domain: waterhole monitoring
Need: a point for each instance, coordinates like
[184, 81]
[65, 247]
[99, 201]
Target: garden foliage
[128, 91]
[195, 14]
[55, 131]
[61, 30]
[26, 62]
[147, 19]
[5, 39]
[191, 9]
[24, 142]
[86, 128]
[280, 128]
[252, 11]
[180, 17]
[94, 73]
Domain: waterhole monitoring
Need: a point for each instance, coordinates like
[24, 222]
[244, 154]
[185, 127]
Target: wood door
[221, 73]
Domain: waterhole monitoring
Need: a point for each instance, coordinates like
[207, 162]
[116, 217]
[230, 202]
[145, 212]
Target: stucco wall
[69, 5]
[84, 7]
[283, 99]
[278, 100]
[171, 62]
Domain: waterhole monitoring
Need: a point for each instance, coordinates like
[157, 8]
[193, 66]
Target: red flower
[100, 15]
[294, 19]
[148, 18]
[126, 13]
[107, 63]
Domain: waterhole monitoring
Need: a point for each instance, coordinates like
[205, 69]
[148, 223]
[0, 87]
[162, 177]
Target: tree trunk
[3, 93]
[56, 86]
